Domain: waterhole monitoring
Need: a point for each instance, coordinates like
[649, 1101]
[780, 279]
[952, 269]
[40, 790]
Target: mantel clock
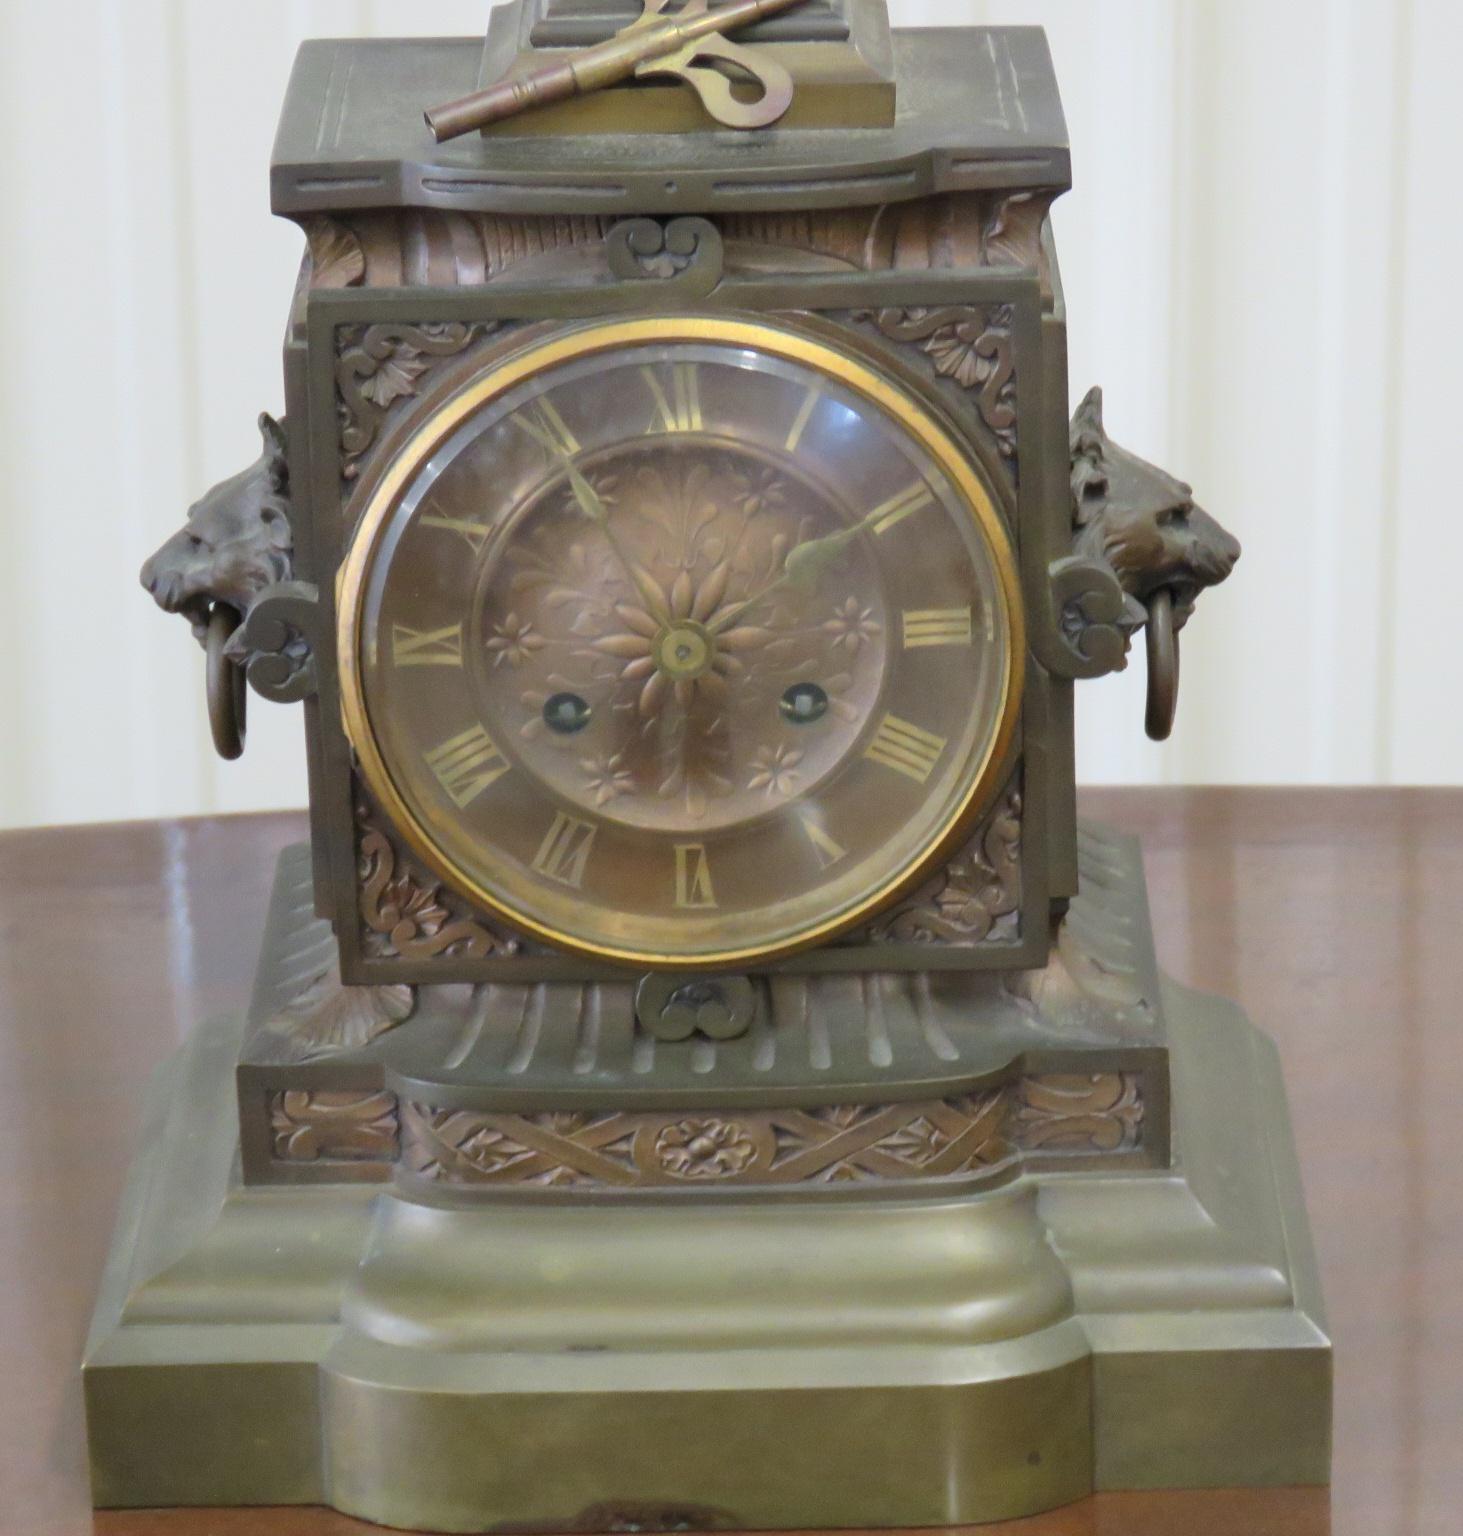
[700, 1072]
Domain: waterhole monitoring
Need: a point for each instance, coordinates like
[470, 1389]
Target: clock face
[681, 641]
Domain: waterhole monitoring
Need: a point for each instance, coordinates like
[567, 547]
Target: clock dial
[681, 641]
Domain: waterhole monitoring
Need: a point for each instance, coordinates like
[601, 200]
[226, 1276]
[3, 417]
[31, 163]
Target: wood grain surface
[1333, 916]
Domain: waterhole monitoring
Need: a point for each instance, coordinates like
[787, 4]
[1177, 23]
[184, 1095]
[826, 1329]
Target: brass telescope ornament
[653, 44]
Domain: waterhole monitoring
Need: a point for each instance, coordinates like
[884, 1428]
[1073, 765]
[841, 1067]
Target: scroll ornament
[683, 257]
[323, 1125]
[974, 898]
[382, 365]
[970, 346]
[408, 917]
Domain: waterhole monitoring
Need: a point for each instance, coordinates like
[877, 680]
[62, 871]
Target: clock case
[1010, 898]
[971, 1215]
[982, 341]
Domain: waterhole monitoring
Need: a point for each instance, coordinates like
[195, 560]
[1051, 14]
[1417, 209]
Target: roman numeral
[905, 748]
[426, 647]
[565, 850]
[473, 532]
[936, 626]
[693, 876]
[825, 849]
[680, 411]
[800, 421]
[466, 765]
[897, 508]
[542, 422]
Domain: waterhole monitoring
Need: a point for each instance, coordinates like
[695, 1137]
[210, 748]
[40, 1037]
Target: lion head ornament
[1141, 523]
[235, 543]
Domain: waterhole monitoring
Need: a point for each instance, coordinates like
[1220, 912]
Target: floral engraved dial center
[655, 587]
[684, 651]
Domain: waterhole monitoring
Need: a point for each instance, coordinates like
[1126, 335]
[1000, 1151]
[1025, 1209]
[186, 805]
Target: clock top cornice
[986, 117]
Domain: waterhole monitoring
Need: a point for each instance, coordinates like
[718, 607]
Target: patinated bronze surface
[236, 542]
[338, 151]
[1146, 525]
[698, 994]
[1021, 943]
[515, 1122]
[1254, 891]
[1141, 522]
[885, 1062]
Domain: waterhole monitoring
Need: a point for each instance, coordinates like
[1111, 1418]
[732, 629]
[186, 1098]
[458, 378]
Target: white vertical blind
[1260, 258]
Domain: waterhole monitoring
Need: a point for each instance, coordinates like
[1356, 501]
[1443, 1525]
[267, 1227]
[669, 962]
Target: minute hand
[805, 563]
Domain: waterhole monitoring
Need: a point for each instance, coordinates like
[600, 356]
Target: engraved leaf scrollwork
[457, 1146]
[862, 1143]
[974, 898]
[409, 918]
[1080, 1112]
[826, 1144]
[550, 1149]
[684, 255]
[380, 365]
[333, 1126]
[1012, 233]
[971, 347]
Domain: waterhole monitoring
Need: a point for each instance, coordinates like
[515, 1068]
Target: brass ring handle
[226, 686]
[1163, 666]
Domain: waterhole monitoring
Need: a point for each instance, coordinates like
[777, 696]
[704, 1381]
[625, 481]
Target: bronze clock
[681, 641]
[699, 1037]
[690, 578]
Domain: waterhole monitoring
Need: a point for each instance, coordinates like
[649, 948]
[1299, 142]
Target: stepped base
[959, 1350]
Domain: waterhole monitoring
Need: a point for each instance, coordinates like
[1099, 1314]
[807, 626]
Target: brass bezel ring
[924, 423]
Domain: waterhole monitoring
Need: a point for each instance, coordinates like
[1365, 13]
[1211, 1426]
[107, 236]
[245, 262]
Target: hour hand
[592, 506]
[584, 493]
[588, 498]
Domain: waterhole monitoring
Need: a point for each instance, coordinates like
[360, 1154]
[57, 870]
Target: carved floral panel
[333, 1126]
[974, 899]
[406, 914]
[833, 1144]
[1080, 1113]
[971, 346]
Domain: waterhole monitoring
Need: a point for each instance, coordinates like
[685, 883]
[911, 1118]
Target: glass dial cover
[681, 641]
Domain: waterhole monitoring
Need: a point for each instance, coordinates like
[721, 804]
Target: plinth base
[870, 1357]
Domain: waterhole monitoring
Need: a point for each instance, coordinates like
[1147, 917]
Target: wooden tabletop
[1332, 915]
